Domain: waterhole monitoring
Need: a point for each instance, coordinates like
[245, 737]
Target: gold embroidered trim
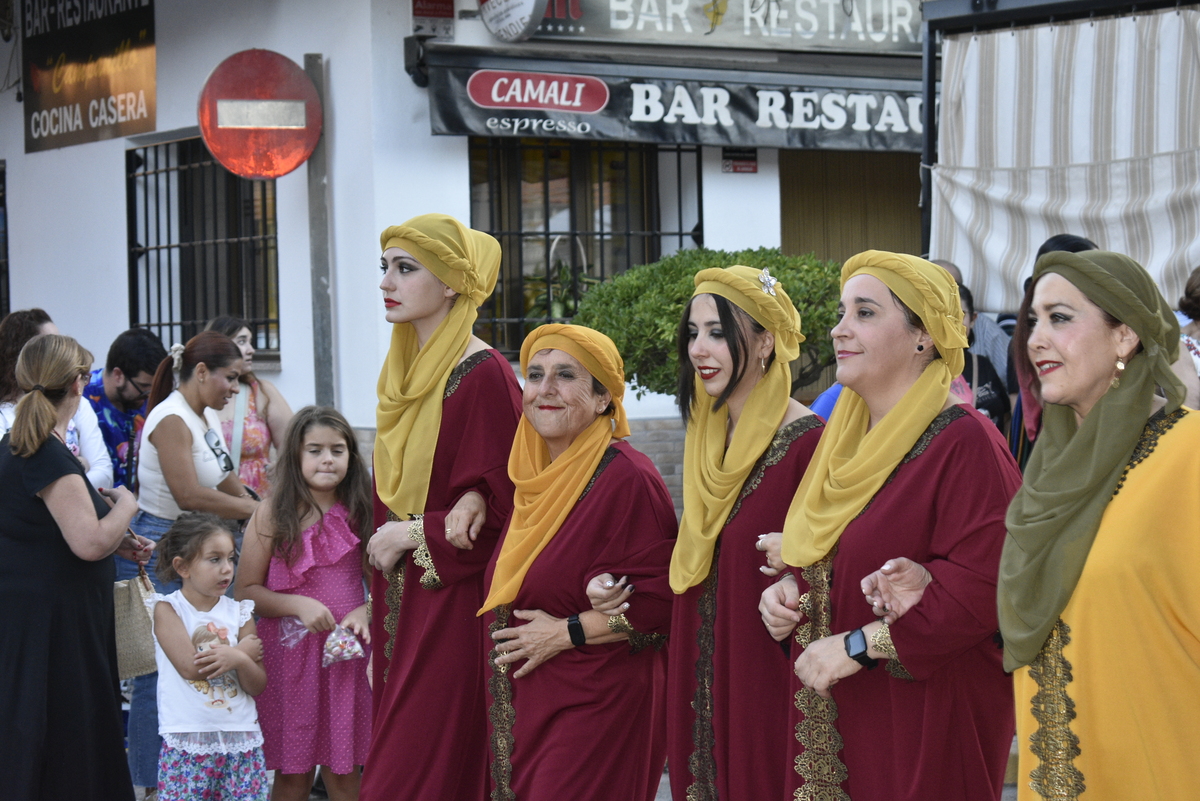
[393, 597]
[1054, 745]
[424, 559]
[609, 454]
[619, 624]
[1156, 426]
[773, 455]
[936, 426]
[818, 763]
[502, 716]
[881, 640]
[460, 371]
[702, 762]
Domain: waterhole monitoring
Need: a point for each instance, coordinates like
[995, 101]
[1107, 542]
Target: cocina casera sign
[259, 114]
[579, 94]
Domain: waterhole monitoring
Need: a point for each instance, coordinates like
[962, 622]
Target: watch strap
[575, 629]
[856, 649]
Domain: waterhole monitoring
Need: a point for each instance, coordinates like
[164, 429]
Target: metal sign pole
[318, 242]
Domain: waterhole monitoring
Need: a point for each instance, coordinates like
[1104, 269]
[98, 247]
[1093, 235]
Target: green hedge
[640, 309]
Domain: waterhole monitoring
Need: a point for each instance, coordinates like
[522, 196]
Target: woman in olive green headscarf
[1097, 598]
[448, 408]
[901, 471]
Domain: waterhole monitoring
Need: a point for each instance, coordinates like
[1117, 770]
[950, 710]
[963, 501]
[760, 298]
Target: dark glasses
[218, 448]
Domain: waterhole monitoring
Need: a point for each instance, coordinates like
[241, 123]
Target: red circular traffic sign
[260, 115]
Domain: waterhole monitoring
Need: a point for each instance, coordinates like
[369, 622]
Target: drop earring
[1116, 382]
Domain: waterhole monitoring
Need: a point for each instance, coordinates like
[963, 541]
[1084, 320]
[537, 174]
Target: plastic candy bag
[291, 631]
[341, 644]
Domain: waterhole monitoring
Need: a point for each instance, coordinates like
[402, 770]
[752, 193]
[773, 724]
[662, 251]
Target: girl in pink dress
[303, 558]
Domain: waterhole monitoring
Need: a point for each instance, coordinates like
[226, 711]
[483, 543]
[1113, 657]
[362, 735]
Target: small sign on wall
[433, 18]
[739, 159]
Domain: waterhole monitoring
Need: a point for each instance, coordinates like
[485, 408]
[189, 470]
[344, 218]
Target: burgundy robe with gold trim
[727, 732]
[588, 725]
[940, 723]
[429, 738]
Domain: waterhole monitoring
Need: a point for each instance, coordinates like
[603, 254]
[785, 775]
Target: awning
[484, 93]
[1085, 127]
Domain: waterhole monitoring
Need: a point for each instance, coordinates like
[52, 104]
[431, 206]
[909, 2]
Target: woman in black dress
[60, 735]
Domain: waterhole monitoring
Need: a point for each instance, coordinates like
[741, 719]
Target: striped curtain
[1089, 128]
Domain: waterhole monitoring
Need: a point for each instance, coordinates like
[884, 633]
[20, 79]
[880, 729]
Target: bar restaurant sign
[493, 102]
[892, 26]
[89, 70]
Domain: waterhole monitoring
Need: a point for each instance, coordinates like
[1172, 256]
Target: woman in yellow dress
[1097, 600]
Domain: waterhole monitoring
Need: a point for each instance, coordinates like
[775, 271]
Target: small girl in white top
[209, 670]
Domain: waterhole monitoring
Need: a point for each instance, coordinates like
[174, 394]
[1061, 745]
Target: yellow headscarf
[851, 463]
[413, 379]
[713, 476]
[546, 491]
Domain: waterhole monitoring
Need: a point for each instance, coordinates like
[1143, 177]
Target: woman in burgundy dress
[448, 407]
[748, 443]
[901, 471]
[576, 696]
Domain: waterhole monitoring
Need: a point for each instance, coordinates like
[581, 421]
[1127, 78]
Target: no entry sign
[260, 115]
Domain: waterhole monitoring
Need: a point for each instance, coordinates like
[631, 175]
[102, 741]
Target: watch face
[856, 644]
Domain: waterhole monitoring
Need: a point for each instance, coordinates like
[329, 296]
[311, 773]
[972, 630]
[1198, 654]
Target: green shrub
[640, 309]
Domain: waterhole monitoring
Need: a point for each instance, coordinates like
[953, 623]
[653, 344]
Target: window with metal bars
[569, 215]
[4, 301]
[202, 243]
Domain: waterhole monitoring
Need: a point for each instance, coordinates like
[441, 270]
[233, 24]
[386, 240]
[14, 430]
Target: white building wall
[741, 209]
[66, 207]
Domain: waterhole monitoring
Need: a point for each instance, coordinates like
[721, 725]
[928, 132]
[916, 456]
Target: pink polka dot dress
[313, 715]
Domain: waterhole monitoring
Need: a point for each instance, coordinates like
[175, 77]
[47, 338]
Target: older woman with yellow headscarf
[576, 695]
[906, 479]
[448, 408]
[1098, 606]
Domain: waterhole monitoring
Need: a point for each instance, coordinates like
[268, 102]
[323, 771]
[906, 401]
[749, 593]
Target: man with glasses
[118, 394]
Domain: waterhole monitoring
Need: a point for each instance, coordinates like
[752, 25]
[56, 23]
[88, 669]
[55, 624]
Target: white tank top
[154, 496]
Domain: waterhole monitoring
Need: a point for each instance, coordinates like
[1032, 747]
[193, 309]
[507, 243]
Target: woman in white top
[183, 465]
[83, 431]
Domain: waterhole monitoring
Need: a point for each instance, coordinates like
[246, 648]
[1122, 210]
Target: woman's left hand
[824, 663]
[772, 547]
[538, 641]
[136, 548]
[465, 520]
[608, 595]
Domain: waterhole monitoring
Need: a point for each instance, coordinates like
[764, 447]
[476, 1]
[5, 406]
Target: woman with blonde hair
[62, 734]
[448, 407]
[904, 478]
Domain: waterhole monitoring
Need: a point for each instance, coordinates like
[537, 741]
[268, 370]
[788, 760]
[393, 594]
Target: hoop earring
[763, 361]
[1116, 382]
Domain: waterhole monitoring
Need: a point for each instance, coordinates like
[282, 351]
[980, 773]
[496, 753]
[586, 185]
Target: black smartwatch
[856, 649]
[575, 629]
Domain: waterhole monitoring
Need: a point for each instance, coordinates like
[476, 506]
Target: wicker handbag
[135, 626]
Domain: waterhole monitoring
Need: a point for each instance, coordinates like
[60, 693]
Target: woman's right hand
[389, 542]
[780, 607]
[609, 596]
[771, 546]
[116, 495]
[315, 615]
[895, 588]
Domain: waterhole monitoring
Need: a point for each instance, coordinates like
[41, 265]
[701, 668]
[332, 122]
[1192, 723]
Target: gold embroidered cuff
[619, 624]
[369, 607]
[422, 557]
[881, 641]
